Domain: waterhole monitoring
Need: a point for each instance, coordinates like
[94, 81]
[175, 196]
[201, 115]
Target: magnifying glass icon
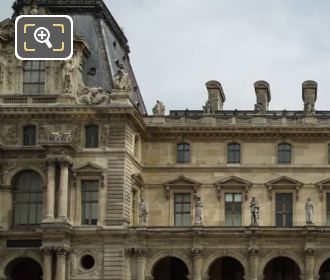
[42, 35]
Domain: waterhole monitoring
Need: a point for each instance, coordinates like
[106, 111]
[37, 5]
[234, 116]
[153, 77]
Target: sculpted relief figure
[198, 212]
[259, 108]
[68, 70]
[208, 108]
[254, 207]
[143, 213]
[309, 207]
[308, 108]
[93, 96]
[159, 109]
[122, 80]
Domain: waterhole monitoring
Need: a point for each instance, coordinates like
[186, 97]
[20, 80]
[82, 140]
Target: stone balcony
[36, 99]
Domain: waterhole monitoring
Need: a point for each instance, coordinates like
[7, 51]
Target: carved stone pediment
[90, 167]
[233, 182]
[323, 185]
[284, 182]
[181, 182]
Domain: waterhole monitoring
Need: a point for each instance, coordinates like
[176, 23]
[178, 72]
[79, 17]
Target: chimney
[216, 95]
[309, 95]
[263, 96]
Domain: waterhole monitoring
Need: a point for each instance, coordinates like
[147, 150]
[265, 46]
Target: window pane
[237, 197]
[89, 201]
[229, 197]
[183, 153]
[29, 136]
[234, 151]
[92, 136]
[186, 220]
[33, 77]
[237, 219]
[228, 219]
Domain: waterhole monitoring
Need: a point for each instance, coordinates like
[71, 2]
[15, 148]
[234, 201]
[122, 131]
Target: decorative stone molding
[9, 135]
[197, 252]
[137, 180]
[309, 95]
[104, 137]
[89, 169]
[129, 252]
[77, 268]
[323, 185]
[65, 162]
[233, 183]
[283, 182]
[93, 96]
[140, 252]
[216, 95]
[309, 252]
[263, 95]
[181, 183]
[122, 81]
[253, 251]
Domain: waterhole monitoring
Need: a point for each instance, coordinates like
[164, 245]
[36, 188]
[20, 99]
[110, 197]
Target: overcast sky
[178, 45]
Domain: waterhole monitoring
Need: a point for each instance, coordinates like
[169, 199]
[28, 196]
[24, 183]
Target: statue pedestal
[121, 97]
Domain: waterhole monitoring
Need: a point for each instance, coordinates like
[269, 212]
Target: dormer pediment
[284, 182]
[233, 182]
[181, 182]
[323, 185]
[89, 167]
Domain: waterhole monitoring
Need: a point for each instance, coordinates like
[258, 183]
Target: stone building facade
[91, 187]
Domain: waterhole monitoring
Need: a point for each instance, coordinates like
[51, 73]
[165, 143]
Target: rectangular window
[92, 136]
[183, 153]
[284, 153]
[89, 202]
[329, 153]
[182, 208]
[233, 209]
[29, 136]
[328, 209]
[284, 210]
[234, 153]
[134, 207]
[34, 77]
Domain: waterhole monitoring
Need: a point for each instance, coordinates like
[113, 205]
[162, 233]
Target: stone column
[253, 263]
[309, 263]
[63, 190]
[197, 254]
[47, 253]
[61, 254]
[50, 202]
[140, 254]
[128, 257]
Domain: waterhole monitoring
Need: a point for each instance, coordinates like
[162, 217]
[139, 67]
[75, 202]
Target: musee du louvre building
[92, 187]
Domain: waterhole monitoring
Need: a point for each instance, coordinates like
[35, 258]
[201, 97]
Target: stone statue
[143, 213]
[309, 207]
[309, 108]
[122, 80]
[259, 108]
[68, 76]
[198, 212]
[93, 96]
[254, 207]
[159, 109]
[208, 108]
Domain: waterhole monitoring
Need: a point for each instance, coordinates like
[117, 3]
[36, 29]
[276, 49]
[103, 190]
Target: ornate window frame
[323, 188]
[235, 185]
[181, 184]
[284, 183]
[138, 186]
[89, 171]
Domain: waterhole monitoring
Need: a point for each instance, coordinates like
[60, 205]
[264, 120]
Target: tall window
[92, 136]
[284, 153]
[29, 135]
[89, 201]
[233, 209]
[234, 153]
[328, 209]
[183, 153]
[28, 195]
[34, 77]
[328, 153]
[134, 207]
[182, 208]
[284, 210]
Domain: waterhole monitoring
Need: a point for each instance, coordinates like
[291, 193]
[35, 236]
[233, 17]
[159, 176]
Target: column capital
[64, 162]
[50, 162]
[46, 251]
[129, 252]
[62, 252]
[140, 252]
[197, 252]
[253, 251]
[310, 252]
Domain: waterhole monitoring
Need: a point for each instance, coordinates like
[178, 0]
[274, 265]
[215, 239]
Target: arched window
[234, 153]
[34, 77]
[28, 196]
[284, 153]
[183, 153]
[92, 136]
[29, 135]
